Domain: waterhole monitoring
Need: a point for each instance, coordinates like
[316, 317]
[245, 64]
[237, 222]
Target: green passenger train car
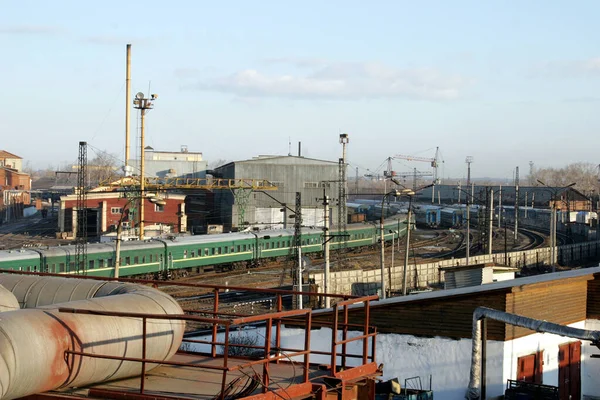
[151, 258]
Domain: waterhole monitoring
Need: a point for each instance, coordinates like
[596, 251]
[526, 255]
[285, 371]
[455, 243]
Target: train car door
[569, 371]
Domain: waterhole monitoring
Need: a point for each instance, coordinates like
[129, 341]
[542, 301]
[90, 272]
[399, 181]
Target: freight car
[176, 255]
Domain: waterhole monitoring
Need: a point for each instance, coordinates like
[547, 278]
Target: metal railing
[302, 317]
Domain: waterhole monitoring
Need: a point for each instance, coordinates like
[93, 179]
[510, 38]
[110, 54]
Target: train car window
[136, 260]
[91, 264]
[144, 259]
[35, 268]
[226, 249]
[72, 266]
[61, 267]
[199, 252]
[53, 268]
[109, 262]
[101, 263]
[212, 251]
[267, 245]
[239, 248]
[193, 254]
[219, 250]
[185, 254]
[28, 268]
[244, 248]
[205, 252]
[232, 249]
[127, 260]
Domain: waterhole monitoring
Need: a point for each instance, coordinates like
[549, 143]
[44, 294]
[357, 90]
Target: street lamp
[396, 193]
[142, 103]
[553, 192]
[153, 199]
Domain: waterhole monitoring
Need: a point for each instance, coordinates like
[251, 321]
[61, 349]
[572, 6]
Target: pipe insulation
[474, 390]
[34, 338]
[8, 301]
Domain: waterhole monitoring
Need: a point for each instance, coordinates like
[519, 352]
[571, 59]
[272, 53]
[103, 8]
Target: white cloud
[567, 68]
[29, 30]
[118, 40]
[346, 81]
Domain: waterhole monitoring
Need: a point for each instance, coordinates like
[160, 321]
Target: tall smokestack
[299, 149]
[127, 103]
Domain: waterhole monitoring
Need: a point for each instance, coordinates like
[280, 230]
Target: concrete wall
[363, 282]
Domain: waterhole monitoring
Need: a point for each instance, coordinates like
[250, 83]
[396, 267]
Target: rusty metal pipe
[35, 340]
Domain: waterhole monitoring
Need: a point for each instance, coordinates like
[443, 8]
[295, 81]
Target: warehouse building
[240, 209]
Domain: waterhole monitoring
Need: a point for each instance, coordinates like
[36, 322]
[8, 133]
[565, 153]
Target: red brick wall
[168, 216]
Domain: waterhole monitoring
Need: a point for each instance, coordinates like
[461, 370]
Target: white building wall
[533, 343]
[448, 361]
[590, 367]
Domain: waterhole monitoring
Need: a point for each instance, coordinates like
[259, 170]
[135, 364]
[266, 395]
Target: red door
[569, 371]
[529, 368]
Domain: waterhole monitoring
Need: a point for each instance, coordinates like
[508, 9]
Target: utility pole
[526, 205]
[407, 249]
[500, 207]
[141, 103]
[342, 197]
[491, 226]
[356, 182]
[415, 180]
[468, 160]
[326, 247]
[127, 106]
[516, 204]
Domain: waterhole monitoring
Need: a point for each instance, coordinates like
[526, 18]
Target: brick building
[15, 187]
[105, 210]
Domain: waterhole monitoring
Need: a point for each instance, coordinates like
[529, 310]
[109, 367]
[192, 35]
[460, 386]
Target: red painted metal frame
[226, 321]
[270, 320]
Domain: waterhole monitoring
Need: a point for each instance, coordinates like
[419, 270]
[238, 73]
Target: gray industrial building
[240, 209]
[171, 164]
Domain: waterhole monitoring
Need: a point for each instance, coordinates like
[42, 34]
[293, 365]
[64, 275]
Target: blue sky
[504, 81]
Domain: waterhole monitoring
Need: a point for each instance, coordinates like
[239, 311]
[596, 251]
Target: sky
[506, 82]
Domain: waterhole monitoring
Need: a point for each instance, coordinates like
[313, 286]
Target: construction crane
[433, 161]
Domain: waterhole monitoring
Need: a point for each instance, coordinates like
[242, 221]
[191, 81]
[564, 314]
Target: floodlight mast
[142, 104]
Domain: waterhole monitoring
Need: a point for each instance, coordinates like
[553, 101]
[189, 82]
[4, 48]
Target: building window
[116, 210]
[325, 185]
[277, 183]
[159, 208]
[311, 185]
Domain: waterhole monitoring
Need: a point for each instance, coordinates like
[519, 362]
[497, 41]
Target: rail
[273, 320]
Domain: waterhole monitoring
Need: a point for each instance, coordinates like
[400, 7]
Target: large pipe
[33, 340]
[127, 103]
[474, 390]
[8, 301]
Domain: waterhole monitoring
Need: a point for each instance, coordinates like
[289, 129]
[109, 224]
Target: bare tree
[104, 167]
[585, 175]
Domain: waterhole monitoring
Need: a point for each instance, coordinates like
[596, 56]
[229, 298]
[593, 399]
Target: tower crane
[434, 162]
